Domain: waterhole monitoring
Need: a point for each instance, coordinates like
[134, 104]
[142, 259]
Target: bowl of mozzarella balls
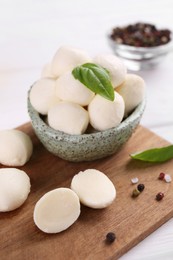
[85, 108]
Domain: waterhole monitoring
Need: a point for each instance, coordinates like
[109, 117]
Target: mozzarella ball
[47, 71]
[70, 89]
[68, 117]
[14, 188]
[15, 147]
[42, 95]
[57, 210]
[105, 114]
[132, 91]
[115, 67]
[93, 188]
[67, 58]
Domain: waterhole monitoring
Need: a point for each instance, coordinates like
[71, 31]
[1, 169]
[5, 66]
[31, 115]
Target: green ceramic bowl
[85, 147]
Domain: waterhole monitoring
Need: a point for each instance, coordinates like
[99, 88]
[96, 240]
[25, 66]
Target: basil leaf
[96, 78]
[155, 155]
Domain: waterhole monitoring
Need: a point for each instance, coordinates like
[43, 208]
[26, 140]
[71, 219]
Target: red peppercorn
[161, 176]
[159, 196]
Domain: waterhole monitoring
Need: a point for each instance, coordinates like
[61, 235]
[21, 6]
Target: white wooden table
[31, 31]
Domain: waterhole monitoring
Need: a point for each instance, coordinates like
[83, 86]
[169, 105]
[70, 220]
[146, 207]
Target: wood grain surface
[131, 219]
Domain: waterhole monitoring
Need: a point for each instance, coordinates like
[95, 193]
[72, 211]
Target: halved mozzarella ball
[57, 210]
[67, 58]
[68, 117]
[115, 67]
[132, 91]
[42, 95]
[15, 147]
[93, 188]
[70, 89]
[105, 114]
[47, 71]
[14, 188]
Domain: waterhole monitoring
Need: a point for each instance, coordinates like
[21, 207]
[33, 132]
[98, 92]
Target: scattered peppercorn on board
[131, 219]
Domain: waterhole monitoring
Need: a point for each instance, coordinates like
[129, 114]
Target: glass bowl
[141, 58]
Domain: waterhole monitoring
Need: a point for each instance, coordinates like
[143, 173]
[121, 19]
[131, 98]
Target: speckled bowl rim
[61, 136]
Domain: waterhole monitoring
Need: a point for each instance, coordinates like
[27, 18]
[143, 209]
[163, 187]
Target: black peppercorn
[141, 187]
[110, 237]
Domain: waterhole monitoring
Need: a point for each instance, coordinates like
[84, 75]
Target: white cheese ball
[14, 188]
[132, 91]
[70, 89]
[57, 210]
[115, 67]
[67, 58]
[15, 147]
[47, 71]
[68, 117]
[93, 188]
[42, 95]
[105, 114]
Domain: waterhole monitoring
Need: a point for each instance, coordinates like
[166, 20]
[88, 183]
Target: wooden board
[131, 219]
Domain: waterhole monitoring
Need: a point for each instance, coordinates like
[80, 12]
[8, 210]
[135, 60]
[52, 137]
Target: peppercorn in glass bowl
[141, 45]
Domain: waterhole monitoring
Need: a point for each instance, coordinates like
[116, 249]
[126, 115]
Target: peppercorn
[140, 35]
[167, 178]
[161, 176]
[141, 187]
[159, 196]
[110, 237]
[135, 193]
[134, 180]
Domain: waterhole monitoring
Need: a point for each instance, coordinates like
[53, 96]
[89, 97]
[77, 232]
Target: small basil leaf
[162, 154]
[96, 78]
